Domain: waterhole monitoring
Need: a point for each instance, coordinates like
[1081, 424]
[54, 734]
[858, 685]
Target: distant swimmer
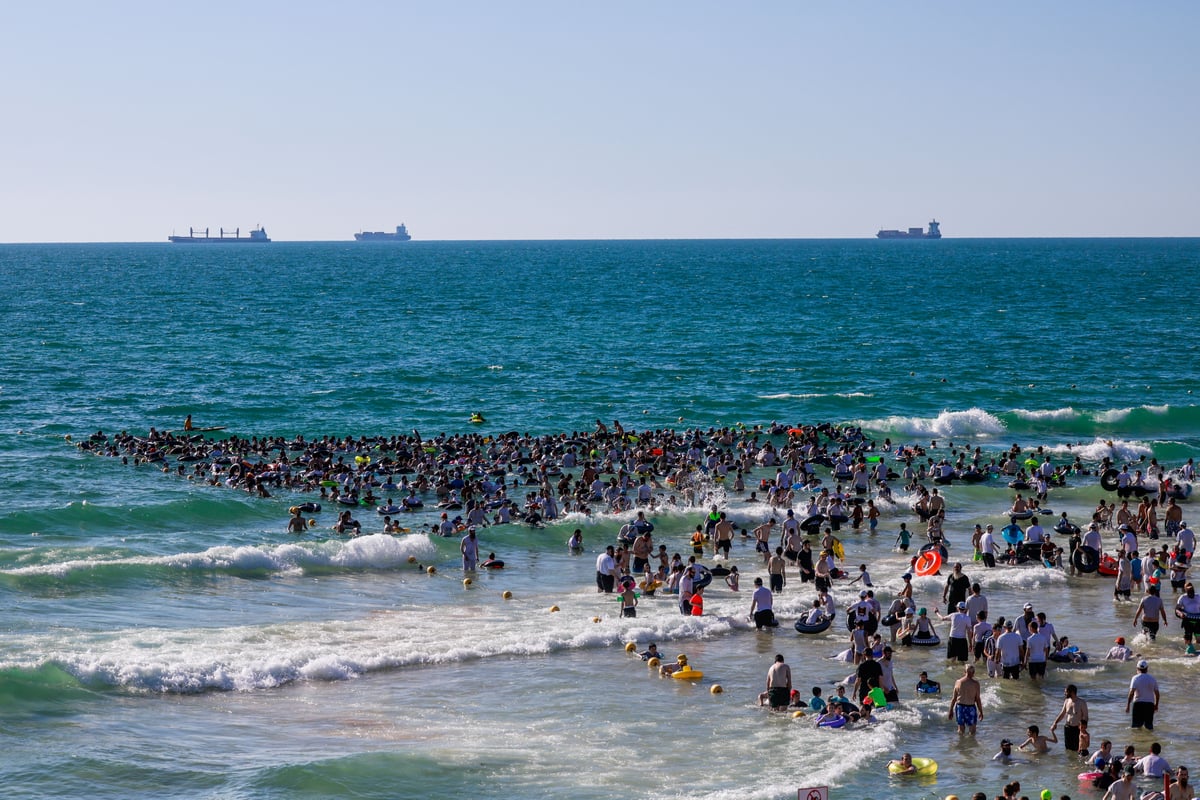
[187, 423]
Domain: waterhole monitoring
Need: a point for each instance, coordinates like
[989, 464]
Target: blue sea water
[168, 639]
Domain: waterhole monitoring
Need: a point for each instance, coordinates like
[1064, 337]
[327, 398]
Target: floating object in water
[630, 647]
[716, 688]
[507, 595]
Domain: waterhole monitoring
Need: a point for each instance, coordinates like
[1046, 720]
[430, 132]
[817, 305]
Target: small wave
[1121, 414]
[376, 551]
[1054, 414]
[812, 395]
[495, 367]
[948, 424]
[1116, 449]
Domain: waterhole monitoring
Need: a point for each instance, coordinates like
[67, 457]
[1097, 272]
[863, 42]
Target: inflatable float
[932, 640]
[686, 673]
[924, 767]
[820, 626]
[928, 563]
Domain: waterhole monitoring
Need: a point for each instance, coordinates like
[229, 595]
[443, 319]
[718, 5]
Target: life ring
[687, 674]
[971, 477]
[235, 471]
[1018, 484]
[627, 582]
[1108, 480]
[1066, 528]
[310, 508]
[381, 510]
[705, 578]
[720, 571]
[820, 626]
[493, 563]
[1086, 560]
[1090, 776]
[1108, 566]
[924, 767]
[928, 563]
[832, 723]
[1012, 534]
[1020, 515]
[932, 640]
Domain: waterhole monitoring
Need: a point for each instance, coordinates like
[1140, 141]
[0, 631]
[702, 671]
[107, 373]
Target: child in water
[733, 578]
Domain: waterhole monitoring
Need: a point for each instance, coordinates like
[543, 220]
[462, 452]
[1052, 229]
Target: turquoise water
[169, 639]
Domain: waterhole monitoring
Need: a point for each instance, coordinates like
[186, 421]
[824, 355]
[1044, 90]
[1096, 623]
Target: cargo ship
[401, 235]
[913, 233]
[223, 237]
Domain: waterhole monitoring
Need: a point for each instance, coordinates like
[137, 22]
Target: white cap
[1143, 664]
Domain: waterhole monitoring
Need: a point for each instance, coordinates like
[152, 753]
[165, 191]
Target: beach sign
[815, 793]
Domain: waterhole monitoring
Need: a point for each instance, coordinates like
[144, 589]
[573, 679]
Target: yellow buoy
[630, 647]
[553, 609]
[507, 595]
[412, 559]
[467, 581]
[595, 619]
[430, 569]
[716, 688]
[312, 523]
[653, 662]
[797, 714]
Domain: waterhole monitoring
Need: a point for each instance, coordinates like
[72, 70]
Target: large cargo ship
[401, 235]
[223, 237]
[913, 233]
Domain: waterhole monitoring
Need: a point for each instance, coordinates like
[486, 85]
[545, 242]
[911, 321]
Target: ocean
[165, 638]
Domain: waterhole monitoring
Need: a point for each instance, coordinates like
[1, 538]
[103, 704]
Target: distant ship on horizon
[913, 233]
[401, 235]
[223, 237]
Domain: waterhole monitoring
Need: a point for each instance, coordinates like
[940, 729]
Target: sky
[127, 121]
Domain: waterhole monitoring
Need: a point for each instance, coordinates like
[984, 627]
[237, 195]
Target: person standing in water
[966, 703]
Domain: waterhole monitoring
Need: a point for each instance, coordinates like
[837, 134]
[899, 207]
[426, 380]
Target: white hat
[1028, 606]
[1143, 664]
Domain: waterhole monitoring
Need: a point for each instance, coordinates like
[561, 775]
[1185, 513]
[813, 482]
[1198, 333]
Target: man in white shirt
[1143, 697]
[1153, 765]
[761, 603]
[606, 571]
[1119, 652]
[1009, 646]
[1037, 648]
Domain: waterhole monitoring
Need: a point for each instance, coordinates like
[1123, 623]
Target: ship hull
[214, 240]
[380, 237]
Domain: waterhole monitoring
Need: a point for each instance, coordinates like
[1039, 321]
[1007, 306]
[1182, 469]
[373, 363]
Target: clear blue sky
[484, 120]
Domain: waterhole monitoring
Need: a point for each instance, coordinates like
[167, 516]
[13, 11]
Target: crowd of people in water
[821, 480]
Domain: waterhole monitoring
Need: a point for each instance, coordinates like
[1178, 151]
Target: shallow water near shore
[169, 639]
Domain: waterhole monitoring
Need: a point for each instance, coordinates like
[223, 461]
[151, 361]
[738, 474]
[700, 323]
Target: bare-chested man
[966, 704]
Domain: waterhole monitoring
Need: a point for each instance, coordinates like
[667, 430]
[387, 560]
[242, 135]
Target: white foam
[1054, 414]
[375, 551]
[812, 395]
[1098, 449]
[974, 422]
[1119, 414]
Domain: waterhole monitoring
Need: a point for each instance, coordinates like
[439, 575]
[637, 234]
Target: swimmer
[1036, 742]
[297, 523]
[903, 765]
[681, 661]
[966, 702]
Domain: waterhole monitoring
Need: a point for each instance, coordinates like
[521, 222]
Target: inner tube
[705, 578]
[1108, 566]
[812, 524]
[970, 477]
[720, 572]
[1020, 514]
[1086, 560]
[1018, 484]
[687, 674]
[889, 621]
[943, 480]
[1068, 527]
[832, 723]
[1012, 534]
[310, 508]
[924, 767]
[930, 641]
[821, 625]
[381, 510]
[1108, 480]
[1090, 776]
[493, 563]
[928, 563]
